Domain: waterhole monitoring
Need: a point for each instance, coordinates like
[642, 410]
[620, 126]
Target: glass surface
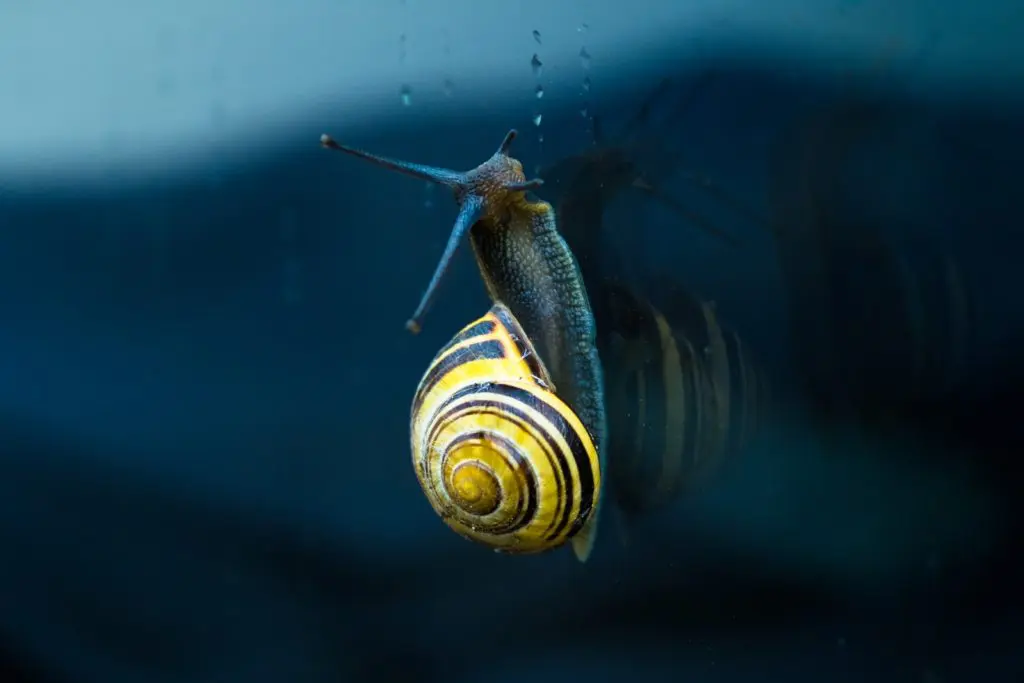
[797, 227]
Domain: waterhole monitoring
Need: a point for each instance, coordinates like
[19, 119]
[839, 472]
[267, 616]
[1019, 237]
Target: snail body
[528, 269]
[501, 458]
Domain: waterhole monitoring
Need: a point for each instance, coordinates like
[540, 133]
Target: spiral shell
[500, 457]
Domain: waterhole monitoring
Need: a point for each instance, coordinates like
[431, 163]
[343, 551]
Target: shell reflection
[683, 392]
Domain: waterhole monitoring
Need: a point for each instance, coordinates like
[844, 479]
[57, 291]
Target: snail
[529, 270]
[501, 458]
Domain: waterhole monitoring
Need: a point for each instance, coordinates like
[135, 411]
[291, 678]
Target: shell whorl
[501, 458]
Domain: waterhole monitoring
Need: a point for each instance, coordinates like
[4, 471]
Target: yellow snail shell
[500, 457]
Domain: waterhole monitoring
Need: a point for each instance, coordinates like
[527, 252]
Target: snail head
[488, 190]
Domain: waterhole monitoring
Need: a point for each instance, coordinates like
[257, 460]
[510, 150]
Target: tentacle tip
[413, 326]
[327, 142]
[507, 142]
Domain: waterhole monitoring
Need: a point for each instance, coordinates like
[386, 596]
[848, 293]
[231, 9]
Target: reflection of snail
[638, 161]
[683, 391]
[500, 457]
[529, 272]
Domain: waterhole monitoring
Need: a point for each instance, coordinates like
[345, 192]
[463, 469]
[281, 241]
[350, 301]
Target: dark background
[205, 469]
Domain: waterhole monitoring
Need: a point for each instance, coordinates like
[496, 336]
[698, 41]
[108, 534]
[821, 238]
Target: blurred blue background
[205, 381]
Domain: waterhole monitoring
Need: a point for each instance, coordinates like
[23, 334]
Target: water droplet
[583, 28]
[449, 87]
[540, 138]
[586, 84]
[584, 57]
[537, 119]
[584, 112]
[406, 94]
[536, 36]
[539, 91]
[537, 65]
